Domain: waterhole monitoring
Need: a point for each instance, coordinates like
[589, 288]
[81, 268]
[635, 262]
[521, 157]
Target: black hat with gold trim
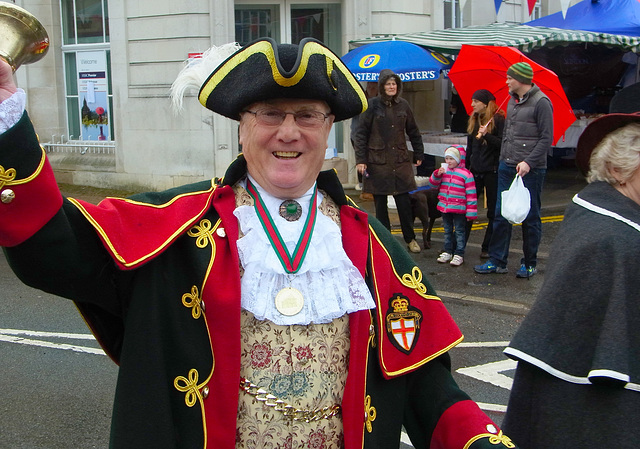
[265, 70]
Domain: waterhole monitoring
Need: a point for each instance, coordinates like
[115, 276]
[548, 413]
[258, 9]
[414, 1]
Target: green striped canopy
[523, 37]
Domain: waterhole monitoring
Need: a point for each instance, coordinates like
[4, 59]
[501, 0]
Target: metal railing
[70, 146]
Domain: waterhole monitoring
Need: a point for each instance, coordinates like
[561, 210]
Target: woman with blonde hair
[483, 152]
[577, 383]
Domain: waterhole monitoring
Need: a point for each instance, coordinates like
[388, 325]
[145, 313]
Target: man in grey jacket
[527, 138]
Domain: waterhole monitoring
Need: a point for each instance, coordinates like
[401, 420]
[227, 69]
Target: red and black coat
[156, 278]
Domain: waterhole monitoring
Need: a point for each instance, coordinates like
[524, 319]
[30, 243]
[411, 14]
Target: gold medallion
[289, 301]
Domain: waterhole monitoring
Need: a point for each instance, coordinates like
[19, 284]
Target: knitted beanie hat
[521, 71]
[483, 95]
[453, 152]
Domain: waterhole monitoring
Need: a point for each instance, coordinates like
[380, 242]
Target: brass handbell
[23, 39]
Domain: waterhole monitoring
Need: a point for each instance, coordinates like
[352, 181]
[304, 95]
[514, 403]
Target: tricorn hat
[265, 70]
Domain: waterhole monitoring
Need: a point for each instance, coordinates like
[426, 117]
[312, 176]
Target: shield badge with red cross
[402, 323]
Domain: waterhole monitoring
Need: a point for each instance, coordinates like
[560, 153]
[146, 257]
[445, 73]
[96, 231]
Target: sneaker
[414, 247]
[457, 261]
[525, 272]
[445, 257]
[490, 267]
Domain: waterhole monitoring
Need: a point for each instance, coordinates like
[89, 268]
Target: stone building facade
[100, 98]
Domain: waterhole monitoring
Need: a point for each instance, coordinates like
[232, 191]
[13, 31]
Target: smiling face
[285, 159]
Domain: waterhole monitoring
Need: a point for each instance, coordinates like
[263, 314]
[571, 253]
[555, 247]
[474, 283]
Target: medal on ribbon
[289, 301]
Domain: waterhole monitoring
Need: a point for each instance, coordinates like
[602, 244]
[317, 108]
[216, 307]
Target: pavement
[498, 291]
[560, 185]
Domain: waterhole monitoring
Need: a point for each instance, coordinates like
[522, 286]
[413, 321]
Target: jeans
[405, 214]
[531, 226]
[455, 227]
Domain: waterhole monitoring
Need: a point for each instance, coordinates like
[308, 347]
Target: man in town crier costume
[263, 309]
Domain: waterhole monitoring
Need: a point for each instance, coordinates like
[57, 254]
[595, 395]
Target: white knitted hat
[453, 152]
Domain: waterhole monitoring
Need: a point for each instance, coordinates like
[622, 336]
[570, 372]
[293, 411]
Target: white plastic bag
[516, 202]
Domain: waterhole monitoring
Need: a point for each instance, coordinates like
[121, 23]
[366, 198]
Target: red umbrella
[485, 67]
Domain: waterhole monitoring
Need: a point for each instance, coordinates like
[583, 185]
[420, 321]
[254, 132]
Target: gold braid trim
[500, 438]
[189, 385]
[370, 413]
[411, 280]
[8, 176]
[193, 301]
[414, 281]
[203, 233]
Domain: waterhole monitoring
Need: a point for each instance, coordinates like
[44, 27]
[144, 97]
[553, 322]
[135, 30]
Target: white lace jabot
[332, 286]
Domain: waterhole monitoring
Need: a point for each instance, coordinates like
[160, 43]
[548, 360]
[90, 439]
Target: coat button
[202, 306]
[7, 196]
[372, 330]
[205, 392]
[221, 232]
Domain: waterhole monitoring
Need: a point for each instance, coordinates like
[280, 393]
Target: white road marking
[492, 407]
[47, 334]
[491, 372]
[14, 336]
[484, 344]
[521, 308]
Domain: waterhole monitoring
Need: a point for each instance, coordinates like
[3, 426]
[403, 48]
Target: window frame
[73, 121]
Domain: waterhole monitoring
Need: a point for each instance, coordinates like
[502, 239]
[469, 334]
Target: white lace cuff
[11, 110]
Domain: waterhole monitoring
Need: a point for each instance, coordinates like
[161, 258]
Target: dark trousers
[403, 205]
[488, 181]
[531, 226]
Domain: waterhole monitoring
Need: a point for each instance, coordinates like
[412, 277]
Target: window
[536, 13]
[452, 14]
[287, 22]
[85, 21]
[320, 21]
[255, 21]
[87, 68]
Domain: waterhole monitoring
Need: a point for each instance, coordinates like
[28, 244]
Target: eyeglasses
[275, 117]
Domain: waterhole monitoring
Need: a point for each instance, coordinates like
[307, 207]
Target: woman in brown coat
[382, 154]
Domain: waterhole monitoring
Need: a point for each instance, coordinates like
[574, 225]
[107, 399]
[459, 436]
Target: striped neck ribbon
[290, 263]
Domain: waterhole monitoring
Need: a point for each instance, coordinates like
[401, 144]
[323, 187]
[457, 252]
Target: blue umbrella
[411, 62]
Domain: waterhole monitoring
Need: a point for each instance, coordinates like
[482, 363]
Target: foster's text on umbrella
[410, 76]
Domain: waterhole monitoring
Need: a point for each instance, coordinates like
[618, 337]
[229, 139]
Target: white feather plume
[196, 72]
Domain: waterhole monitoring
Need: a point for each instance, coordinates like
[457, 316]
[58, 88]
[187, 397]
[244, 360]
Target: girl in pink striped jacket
[457, 200]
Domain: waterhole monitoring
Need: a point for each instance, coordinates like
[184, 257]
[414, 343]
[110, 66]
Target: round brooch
[290, 210]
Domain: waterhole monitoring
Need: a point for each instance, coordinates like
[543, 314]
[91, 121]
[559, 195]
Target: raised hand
[7, 83]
